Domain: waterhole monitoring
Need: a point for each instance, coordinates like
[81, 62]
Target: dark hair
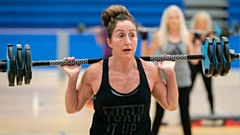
[112, 15]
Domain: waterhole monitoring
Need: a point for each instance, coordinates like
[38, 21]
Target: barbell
[215, 56]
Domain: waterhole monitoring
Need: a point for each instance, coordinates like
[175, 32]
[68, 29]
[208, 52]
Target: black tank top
[122, 114]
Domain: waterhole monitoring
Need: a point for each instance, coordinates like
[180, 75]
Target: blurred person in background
[201, 27]
[100, 35]
[172, 38]
[101, 39]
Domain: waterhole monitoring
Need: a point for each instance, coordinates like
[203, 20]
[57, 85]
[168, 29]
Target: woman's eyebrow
[123, 30]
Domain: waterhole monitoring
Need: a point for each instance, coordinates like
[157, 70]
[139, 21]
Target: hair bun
[111, 12]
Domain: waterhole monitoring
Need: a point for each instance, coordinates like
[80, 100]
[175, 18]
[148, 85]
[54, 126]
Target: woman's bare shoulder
[151, 71]
[95, 69]
[149, 66]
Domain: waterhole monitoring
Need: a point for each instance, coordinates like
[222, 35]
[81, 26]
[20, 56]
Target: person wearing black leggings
[172, 38]
[195, 69]
[201, 25]
[184, 112]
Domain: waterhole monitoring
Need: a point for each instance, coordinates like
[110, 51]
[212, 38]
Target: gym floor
[38, 108]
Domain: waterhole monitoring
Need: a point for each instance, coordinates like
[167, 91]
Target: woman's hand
[166, 66]
[143, 32]
[71, 71]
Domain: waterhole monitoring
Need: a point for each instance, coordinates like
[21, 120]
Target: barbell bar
[215, 56]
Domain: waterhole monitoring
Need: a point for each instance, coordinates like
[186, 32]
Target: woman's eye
[121, 35]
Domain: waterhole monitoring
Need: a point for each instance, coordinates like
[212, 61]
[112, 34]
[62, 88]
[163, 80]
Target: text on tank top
[122, 114]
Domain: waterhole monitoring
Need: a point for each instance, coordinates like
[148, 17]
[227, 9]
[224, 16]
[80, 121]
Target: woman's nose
[127, 40]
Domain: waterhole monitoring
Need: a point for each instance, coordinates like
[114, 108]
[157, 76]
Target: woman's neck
[122, 64]
[174, 36]
[173, 32]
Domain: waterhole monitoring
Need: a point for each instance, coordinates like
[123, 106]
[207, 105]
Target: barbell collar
[235, 56]
[3, 65]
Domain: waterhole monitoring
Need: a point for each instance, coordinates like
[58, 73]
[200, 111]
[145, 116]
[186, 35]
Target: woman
[121, 84]
[201, 26]
[173, 38]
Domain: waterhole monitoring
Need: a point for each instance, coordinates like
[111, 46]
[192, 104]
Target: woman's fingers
[162, 65]
[69, 58]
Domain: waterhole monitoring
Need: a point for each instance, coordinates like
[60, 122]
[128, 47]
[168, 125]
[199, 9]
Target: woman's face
[173, 20]
[124, 39]
[201, 24]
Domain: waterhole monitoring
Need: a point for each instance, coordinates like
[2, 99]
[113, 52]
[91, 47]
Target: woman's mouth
[126, 50]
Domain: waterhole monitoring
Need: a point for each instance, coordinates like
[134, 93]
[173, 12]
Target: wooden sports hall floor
[38, 108]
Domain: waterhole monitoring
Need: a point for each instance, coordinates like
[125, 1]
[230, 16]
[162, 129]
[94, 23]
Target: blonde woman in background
[172, 38]
[201, 27]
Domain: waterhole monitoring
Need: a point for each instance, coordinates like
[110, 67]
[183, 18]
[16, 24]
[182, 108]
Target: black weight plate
[19, 65]
[226, 56]
[28, 64]
[10, 65]
[218, 56]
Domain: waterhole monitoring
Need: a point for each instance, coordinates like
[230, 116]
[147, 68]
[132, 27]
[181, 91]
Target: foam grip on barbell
[10, 65]
[27, 64]
[19, 65]
[218, 56]
[208, 65]
[226, 56]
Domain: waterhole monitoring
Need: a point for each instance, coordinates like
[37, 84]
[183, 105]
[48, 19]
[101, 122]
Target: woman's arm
[193, 49]
[76, 97]
[166, 93]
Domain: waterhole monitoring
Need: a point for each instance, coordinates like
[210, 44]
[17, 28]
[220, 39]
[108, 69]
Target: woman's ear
[109, 41]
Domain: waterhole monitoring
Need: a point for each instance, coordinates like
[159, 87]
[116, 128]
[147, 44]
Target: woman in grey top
[173, 38]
